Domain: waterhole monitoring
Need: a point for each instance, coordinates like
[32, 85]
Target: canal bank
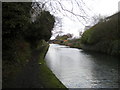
[34, 73]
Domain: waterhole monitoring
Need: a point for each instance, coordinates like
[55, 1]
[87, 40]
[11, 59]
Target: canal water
[76, 68]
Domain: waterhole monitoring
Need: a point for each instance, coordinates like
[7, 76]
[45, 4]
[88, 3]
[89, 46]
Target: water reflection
[78, 69]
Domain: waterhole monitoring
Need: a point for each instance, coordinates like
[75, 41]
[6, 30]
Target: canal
[76, 68]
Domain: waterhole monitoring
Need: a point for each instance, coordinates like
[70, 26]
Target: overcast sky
[102, 7]
[71, 24]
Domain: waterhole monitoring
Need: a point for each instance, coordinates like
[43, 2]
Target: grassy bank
[28, 61]
[47, 78]
[103, 37]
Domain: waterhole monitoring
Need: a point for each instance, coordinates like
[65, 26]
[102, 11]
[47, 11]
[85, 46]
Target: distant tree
[69, 35]
[64, 37]
[97, 19]
[80, 33]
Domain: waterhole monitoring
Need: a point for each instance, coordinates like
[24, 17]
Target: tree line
[17, 24]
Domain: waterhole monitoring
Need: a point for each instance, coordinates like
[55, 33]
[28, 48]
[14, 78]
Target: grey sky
[70, 23]
[91, 7]
[74, 24]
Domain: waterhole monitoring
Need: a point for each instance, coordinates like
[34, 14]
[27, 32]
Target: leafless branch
[57, 7]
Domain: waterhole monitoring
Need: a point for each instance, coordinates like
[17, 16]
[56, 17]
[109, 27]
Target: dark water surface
[78, 69]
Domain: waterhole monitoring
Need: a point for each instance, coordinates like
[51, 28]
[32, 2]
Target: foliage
[41, 28]
[64, 37]
[104, 36]
[15, 18]
[74, 43]
[17, 25]
[17, 52]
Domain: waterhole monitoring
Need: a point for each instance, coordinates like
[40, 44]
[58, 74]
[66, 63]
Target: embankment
[103, 37]
[30, 69]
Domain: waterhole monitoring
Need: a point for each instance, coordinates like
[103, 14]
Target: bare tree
[59, 9]
[58, 6]
[97, 18]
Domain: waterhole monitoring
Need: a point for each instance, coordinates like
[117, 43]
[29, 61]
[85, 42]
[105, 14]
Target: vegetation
[74, 43]
[63, 37]
[21, 37]
[40, 29]
[103, 37]
[17, 56]
[67, 40]
[46, 76]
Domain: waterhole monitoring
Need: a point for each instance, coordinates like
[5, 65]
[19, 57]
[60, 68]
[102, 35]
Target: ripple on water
[78, 69]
